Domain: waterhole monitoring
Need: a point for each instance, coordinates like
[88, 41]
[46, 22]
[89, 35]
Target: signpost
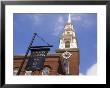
[37, 56]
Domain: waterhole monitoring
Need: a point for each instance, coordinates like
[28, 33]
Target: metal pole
[26, 54]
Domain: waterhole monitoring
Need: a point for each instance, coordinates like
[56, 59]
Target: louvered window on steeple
[68, 32]
[67, 44]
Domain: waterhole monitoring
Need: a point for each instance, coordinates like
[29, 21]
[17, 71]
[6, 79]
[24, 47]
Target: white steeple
[68, 37]
[69, 18]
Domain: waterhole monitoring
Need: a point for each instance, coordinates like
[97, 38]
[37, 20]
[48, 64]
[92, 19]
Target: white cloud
[83, 19]
[87, 23]
[35, 18]
[59, 26]
[92, 70]
[60, 19]
[81, 74]
[76, 17]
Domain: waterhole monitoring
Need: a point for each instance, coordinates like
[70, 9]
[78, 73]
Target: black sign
[35, 63]
[37, 58]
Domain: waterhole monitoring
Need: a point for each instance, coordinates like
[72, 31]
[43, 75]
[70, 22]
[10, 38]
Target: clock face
[66, 55]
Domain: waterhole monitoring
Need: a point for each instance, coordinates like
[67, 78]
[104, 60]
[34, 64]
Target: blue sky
[49, 26]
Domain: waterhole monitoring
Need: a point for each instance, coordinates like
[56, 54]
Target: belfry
[65, 60]
[68, 37]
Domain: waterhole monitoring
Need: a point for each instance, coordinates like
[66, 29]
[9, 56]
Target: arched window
[67, 44]
[28, 72]
[66, 67]
[46, 70]
[15, 71]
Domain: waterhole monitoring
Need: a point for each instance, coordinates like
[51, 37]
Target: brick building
[65, 60]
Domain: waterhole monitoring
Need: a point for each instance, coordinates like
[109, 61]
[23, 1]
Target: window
[45, 71]
[15, 70]
[65, 67]
[67, 44]
[28, 72]
[68, 32]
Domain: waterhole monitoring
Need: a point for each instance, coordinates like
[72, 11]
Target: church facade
[65, 60]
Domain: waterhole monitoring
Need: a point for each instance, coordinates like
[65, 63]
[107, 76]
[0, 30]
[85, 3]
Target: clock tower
[68, 47]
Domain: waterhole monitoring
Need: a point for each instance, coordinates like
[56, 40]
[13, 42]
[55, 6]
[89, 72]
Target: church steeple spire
[68, 37]
[69, 18]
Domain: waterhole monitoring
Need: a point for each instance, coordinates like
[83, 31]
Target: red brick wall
[53, 62]
[74, 63]
[74, 60]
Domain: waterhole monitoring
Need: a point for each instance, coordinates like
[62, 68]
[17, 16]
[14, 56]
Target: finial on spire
[69, 18]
